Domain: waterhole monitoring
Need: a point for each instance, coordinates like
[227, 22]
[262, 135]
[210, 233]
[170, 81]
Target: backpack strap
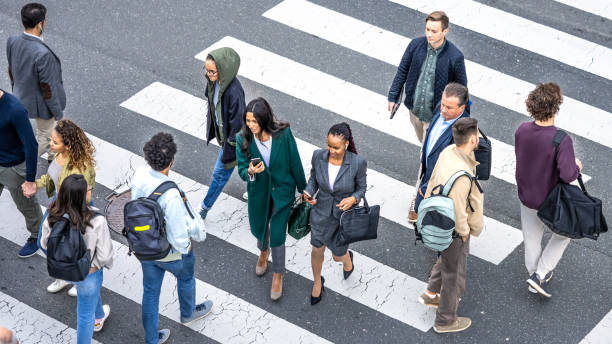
[557, 139]
[449, 185]
[165, 186]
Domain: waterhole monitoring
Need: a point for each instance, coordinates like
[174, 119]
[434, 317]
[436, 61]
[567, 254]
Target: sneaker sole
[539, 289]
[57, 291]
[433, 305]
[28, 256]
[451, 330]
[198, 318]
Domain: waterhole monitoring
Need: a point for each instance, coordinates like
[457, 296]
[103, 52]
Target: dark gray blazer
[36, 76]
[351, 181]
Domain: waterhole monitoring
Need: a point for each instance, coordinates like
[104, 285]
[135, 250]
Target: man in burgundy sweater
[539, 167]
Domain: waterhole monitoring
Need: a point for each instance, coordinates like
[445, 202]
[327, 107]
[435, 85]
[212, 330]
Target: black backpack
[569, 210]
[145, 227]
[67, 255]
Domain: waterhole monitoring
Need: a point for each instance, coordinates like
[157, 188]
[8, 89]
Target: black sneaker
[541, 286]
[29, 249]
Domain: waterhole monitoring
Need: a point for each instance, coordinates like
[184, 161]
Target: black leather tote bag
[358, 224]
[483, 156]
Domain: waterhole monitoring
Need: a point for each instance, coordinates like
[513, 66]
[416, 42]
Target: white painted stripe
[601, 333]
[183, 111]
[523, 33]
[30, 325]
[233, 320]
[374, 285]
[486, 83]
[602, 8]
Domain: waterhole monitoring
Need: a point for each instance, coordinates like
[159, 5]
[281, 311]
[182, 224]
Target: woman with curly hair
[539, 168]
[72, 154]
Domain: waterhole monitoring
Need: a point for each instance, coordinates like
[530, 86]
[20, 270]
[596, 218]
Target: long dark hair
[343, 130]
[72, 200]
[265, 118]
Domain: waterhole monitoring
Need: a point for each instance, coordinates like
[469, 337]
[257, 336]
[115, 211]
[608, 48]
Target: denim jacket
[180, 227]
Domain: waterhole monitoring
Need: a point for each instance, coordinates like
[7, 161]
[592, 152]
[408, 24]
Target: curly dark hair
[543, 102]
[159, 151]
[80, 148]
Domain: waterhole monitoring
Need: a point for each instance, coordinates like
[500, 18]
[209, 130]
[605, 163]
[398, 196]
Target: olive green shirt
[422, 106]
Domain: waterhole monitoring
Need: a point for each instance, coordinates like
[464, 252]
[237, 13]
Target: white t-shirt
[332, 171]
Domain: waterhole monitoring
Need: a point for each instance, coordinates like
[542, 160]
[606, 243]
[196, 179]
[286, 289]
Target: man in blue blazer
[36, 74]
[454, 103]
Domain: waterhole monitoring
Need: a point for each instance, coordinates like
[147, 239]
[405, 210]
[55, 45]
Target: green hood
[227, 62]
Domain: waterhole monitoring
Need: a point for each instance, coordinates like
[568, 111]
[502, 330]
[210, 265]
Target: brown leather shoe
[428, 301]
[458, 325]
[262, 263]
[276, 294]
[412, 216]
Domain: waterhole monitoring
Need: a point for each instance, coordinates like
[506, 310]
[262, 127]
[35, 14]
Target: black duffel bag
[358, 224]
[571, 212]
[483, 156]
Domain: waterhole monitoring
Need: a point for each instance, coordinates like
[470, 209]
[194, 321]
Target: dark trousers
[11, 178]
[448, 278]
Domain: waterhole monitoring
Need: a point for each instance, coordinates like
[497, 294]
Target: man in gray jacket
[36, 74]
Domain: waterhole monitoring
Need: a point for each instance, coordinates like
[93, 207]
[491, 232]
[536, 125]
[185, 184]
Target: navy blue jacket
[450, 67]
[428, 162]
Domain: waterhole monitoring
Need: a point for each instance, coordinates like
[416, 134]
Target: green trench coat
[278, 181]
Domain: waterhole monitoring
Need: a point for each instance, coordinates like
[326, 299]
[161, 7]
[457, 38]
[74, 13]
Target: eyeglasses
[210, 72]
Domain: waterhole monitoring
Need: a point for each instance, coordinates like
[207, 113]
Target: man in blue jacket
[428, 65]
[454, 103]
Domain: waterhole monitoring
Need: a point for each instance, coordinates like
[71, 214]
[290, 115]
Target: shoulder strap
[161, 189]
[557, 139]
[449, 185]
[165, 186]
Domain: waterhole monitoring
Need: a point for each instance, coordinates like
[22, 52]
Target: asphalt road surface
[134, 68]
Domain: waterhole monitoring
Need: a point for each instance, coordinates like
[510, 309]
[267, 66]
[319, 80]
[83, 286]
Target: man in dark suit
[36, 74]
[455, 99]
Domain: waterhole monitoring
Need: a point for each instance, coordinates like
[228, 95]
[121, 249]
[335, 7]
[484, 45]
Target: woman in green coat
[268, 160]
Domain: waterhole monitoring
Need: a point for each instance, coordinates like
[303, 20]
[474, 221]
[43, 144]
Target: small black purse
[358, 224]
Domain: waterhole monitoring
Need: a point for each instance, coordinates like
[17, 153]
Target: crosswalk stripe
[30, 325]
[596, 7]
[232, 320]
[185, 112]
[523, 33]
[339, 96]
[601, 333]
[484, 82]
[387, 290]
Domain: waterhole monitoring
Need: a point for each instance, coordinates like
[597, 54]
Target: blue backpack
[435, 225]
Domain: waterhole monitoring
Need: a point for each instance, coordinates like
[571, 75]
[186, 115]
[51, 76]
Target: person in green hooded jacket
[269, 161]
[226, 107]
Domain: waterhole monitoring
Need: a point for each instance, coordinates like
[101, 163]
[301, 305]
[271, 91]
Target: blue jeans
[89, 305]
[152, 277]
[220, 177]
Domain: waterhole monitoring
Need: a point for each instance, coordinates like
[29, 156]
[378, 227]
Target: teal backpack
[435, 225]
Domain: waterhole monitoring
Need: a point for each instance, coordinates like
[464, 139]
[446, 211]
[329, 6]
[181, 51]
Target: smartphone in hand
[255, 161]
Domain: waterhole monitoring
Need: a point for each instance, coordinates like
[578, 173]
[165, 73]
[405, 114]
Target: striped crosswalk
[378, 286]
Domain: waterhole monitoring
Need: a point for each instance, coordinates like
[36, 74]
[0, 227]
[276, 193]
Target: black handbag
[569, 210]
[358, 224]
[483, 156]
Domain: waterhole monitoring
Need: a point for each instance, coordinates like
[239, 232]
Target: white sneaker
[245, 196]
[57, 286]
[72, 292]
[98, 327]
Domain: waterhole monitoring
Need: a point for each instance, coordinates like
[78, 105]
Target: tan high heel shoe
[262, 263]
[275, 295]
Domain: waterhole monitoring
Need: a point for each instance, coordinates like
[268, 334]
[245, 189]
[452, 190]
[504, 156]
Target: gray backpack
[435, 225]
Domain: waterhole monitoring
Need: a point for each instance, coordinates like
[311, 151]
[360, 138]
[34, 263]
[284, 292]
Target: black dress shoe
[348, 273]
[315, 300]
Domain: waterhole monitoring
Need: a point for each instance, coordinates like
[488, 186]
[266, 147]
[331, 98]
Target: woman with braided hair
[72, 154]
[338, 176]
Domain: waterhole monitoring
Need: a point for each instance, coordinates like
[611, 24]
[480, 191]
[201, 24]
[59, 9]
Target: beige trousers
[44, 128]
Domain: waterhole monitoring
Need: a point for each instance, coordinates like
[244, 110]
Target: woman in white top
[72, 200]
[337, 183]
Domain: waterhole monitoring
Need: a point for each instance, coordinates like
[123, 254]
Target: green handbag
[299, 219]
